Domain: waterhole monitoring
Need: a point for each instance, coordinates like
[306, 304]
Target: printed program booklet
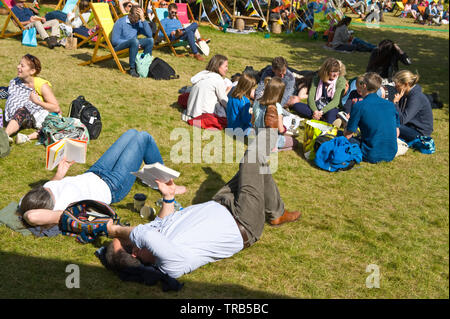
[73, 150]
[157, 171]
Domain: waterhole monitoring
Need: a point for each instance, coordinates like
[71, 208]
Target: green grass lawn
[394, 215]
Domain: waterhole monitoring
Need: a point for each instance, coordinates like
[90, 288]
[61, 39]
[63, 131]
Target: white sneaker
[203, 47]
[22, 138]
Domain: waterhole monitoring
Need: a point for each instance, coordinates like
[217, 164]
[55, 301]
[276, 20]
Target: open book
[149, 173]
[73, 150]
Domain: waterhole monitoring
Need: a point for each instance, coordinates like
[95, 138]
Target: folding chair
[105, 22]
[399, 6]
[162, 13]
[184, 14]
[90, 39]
[70, 6]
[348, 4]
[8, 4]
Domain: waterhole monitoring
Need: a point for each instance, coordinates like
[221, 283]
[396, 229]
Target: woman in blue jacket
[414, 108]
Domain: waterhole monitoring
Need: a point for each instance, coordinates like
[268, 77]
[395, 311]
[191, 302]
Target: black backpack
[88, 114]
[160, 70]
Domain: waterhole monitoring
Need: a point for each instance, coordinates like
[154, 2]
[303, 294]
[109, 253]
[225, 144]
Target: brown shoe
[271, 117]
[198, 57]
[285, 218]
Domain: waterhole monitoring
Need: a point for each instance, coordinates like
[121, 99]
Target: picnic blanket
[209, 121]
[10, 218]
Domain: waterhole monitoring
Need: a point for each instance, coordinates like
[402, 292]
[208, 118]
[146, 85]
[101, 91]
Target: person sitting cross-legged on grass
[175, 30]
[378, 121]
[178, 242]
[30, 100]
[414, 108]
[109, 180]
[125, 32]
[324, 97]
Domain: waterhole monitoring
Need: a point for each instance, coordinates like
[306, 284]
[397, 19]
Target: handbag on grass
[71, 43]
[29, 37]
[86, 220]
[143, 62]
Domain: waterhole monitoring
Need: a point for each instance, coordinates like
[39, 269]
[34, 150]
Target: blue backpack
[424, 144]
[338, 154]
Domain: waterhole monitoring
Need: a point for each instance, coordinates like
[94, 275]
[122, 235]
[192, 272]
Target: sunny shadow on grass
[393, 214]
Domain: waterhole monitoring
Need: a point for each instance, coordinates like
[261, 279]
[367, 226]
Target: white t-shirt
[190, 238]
[76, 188]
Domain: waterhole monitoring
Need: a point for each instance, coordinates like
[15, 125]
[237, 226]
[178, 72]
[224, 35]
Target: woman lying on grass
[108, 180]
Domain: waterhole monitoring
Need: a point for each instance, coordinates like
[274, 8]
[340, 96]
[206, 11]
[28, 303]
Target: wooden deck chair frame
[11, 17]
[349, 6]
[88, 39]
[103, 37]
[168, 42]
[399, 6]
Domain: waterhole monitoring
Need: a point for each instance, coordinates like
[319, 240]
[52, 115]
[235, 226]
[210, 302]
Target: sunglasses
[173, 12]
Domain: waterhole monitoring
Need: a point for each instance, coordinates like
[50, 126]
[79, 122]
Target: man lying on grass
[178, 242]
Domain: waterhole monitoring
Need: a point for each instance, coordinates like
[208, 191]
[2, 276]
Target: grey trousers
[251, 197]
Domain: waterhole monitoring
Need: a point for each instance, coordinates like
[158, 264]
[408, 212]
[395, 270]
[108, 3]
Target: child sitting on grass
[267, 112]
[238, 106]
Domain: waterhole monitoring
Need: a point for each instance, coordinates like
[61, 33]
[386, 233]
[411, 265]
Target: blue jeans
[408, 133]
[56, 15]
[189, 36]
[122, 158]
[133, 44]
[305, 111]
[362, 45]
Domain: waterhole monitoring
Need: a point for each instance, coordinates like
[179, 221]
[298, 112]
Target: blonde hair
[406, 77]
[273, 91]
[244, 86]
[329, 65]
[342, 69]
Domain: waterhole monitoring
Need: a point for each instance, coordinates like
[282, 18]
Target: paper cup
[147, 212]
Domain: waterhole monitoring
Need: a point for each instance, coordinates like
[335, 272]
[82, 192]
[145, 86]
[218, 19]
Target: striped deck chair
[349, 5]
[8, 4]
[105, 22]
